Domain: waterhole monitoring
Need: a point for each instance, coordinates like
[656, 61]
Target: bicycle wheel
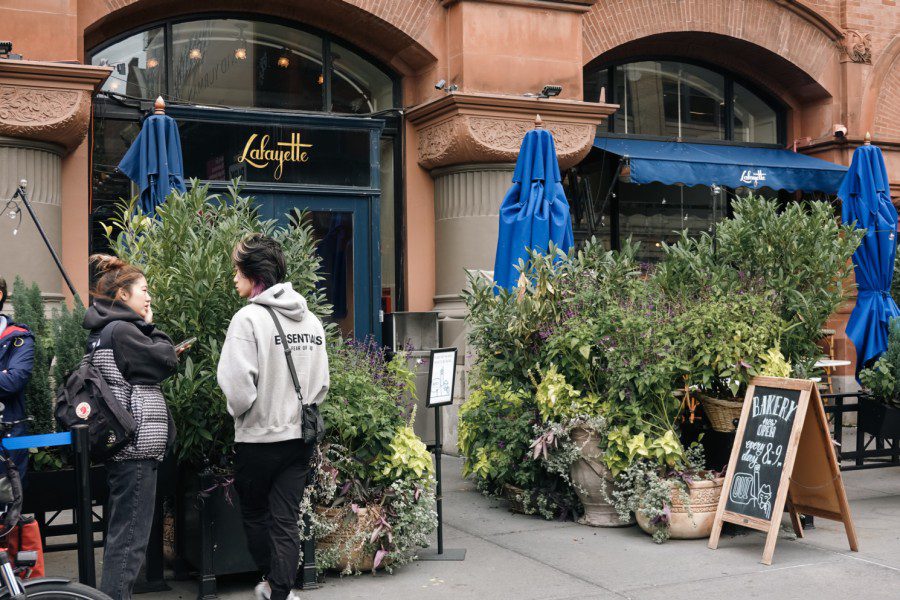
[54, 590]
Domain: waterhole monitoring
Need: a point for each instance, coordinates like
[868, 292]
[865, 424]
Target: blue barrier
[43, 440]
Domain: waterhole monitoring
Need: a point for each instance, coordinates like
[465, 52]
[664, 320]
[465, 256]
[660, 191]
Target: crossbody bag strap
[287, 353]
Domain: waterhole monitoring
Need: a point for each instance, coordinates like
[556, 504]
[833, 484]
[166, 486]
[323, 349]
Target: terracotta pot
[593, 482]
[683, 525]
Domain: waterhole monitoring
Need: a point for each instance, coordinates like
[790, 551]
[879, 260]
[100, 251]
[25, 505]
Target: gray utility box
[416, 333]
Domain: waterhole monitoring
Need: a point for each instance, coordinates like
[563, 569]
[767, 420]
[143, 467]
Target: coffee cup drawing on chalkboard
[746, 490]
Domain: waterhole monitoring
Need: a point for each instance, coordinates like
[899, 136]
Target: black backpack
[86, 399]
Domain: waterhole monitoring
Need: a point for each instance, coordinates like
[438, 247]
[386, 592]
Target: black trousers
[270, 479]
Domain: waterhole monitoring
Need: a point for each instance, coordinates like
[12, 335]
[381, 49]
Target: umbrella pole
[20, 193]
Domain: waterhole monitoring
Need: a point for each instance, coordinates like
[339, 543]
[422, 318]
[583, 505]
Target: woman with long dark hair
[273, 369]
[134, 357]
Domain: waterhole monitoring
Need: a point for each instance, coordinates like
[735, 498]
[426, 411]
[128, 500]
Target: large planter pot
[696, 521]
[722, 412]
[210, 530]
[593, 482]
[349, 537]
[879, 419]
[48, 492]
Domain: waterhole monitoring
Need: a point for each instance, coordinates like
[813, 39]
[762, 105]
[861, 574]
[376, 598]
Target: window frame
[730, 78]
[327, 62]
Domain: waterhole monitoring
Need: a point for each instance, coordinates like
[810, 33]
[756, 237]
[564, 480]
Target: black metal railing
[871, 451]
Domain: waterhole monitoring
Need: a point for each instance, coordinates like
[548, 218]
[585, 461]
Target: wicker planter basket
[721, 412]
[350, 536]
[514, 495]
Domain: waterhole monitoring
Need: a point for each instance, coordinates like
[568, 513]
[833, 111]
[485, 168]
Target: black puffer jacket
[134, 358]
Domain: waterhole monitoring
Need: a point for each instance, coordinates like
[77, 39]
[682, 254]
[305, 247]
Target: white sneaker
[262, 590]
[293, 596]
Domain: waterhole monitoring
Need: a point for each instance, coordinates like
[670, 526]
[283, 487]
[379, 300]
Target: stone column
[45, 112]
[24, 252]
[469, 143]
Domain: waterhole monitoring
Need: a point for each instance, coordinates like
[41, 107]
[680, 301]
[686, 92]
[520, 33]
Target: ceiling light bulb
[152, 63]
[240, 54]
[321, 79]
[114, 85]
[195, 54]
[16, 231]
[284, 62]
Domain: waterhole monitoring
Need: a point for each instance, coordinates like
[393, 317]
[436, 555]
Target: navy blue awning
[729, 166]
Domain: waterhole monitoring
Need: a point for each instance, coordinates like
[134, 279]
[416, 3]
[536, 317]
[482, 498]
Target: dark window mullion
[729, 109]
[169, 61]
[326, 74]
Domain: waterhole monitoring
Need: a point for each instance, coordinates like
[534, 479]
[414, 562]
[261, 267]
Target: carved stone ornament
[856, 46]
[45, 114]
[484, 129]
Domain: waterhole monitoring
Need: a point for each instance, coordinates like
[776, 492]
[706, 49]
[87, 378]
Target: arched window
[683, 100]
[245, 63]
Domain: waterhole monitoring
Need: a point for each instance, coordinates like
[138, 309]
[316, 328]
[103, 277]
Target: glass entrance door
[346, 230]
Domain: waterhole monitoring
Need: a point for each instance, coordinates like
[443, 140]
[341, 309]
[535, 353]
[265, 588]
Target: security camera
[550, 90]
[440, 84]
[840, 130]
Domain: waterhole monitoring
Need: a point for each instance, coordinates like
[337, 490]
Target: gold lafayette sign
[257, 154]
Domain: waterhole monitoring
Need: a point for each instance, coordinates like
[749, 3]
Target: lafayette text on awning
[729, 166]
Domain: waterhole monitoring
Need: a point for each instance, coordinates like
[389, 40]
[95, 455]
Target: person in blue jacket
[16, 362]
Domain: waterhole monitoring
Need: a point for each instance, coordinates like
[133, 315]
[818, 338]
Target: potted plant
[376, 507]
[669, 492]
[569, 443]
[879, 408]
[723, 342]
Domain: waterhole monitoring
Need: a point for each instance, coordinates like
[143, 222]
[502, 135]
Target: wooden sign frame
[810, 481]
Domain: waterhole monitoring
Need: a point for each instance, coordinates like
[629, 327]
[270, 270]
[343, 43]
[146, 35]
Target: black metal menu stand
[441, 381]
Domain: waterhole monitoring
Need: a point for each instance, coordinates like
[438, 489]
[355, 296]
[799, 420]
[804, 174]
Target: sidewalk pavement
[518, 557]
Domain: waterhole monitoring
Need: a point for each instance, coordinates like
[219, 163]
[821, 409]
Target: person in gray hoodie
[272, 461]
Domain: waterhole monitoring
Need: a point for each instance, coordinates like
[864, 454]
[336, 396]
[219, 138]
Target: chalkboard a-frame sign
[782, 458]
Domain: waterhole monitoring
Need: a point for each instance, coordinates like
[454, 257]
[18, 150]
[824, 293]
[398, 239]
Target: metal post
[21, 194]
[83, 515]
[438, 450]
[308, 579]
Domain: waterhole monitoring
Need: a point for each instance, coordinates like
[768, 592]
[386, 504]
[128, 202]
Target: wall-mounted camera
[442, 85]
[840, 131]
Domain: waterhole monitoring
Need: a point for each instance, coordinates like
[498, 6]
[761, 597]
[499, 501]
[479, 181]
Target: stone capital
[464, 128]
[47, 102]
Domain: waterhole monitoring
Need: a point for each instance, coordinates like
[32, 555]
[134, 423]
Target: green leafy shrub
[799, 253]
[495, 432]
[28, 306]
[186, 255]
[882, 379]
[558, 401]
[725, 340]
[69, 339]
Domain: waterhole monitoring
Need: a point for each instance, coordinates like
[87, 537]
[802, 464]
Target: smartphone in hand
[182, 346]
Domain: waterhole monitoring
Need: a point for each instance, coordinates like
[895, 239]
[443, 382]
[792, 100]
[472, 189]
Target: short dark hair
[2, 291]
[261, 260]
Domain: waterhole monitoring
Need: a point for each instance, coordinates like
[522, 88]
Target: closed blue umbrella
[535, 211]
[867, 202]
[154, 160]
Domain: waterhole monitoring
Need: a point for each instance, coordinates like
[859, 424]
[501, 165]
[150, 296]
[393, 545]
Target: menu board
[782, 459]
[761, 452]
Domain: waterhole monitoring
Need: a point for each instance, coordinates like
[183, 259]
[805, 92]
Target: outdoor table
[830, 364]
